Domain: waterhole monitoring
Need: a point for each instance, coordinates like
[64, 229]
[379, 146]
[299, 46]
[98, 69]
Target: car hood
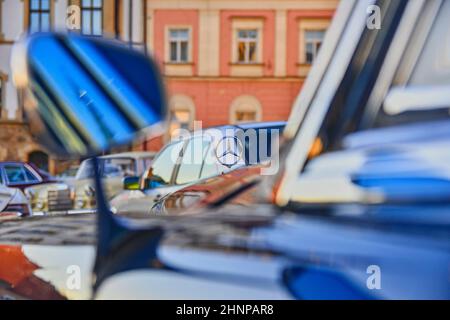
[237, 187]
[228, 254]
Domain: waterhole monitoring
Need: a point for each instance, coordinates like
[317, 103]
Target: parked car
[418, 172]
[79, 193]
[114, 168]
[286, 249]
[22, 175]
[13, 203]
[174, 167]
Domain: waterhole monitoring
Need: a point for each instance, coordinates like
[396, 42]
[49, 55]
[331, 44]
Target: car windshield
[109, 168]
[71, 172]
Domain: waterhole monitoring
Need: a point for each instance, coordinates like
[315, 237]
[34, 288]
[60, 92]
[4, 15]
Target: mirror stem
[108, 227]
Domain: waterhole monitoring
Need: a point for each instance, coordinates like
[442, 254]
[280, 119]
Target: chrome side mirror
[84, 95]
[131, 183]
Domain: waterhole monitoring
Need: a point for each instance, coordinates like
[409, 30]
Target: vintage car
[418, 172]
[114, 168]
[168, 173]
[79, 193]
[13, 203]
[364, 80]
[22, 175]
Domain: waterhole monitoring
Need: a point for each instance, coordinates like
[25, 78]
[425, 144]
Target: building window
[92, 17]
[182, 117]
[245, 115]
[247, 42]
[39, 19]
[179, 45]
[313, 42]
[182, 114]
[245, 109]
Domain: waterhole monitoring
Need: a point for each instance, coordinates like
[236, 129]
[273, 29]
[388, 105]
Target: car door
[198, 163]
[188, 167]
[162, 172]
[5, 193]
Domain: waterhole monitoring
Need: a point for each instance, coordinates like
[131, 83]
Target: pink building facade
[229, 61]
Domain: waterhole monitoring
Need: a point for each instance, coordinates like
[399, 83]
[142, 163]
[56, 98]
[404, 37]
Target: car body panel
[254, 256]
[237, 187]
[382, 168]
[6, 195]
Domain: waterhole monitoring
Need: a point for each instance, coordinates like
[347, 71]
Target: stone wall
[16, 144]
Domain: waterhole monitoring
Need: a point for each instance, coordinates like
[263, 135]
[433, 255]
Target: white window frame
[315, 42]
[92, 9]
[247, 41]
[256, 24]
[306, 25]
[40, 12]
[169, 40]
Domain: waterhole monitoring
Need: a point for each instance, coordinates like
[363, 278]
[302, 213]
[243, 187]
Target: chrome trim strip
[354, 22]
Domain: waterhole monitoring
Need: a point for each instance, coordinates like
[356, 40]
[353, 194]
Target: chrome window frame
[319, 89]
[323, 75]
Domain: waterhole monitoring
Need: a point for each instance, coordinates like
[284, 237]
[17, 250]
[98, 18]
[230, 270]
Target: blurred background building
[224, 61]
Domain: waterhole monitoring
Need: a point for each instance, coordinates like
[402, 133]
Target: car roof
[241, 126]
[262, 125]
[13, 162]
[135, 155]
[250, 125]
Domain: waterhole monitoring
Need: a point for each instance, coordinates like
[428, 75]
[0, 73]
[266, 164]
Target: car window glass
[15, 174]
[148, 162]
[162, 168]
[118, 167]
[210, 167]
[110, 168]
[85, 171]
[30, 176]
[192, 161]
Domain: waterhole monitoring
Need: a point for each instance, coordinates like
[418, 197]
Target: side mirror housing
[131, 183]
[86, 95]
[148, 184]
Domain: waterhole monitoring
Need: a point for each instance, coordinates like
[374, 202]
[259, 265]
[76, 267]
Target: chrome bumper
[51, 213]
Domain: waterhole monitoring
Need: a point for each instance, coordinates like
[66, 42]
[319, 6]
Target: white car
[13, 203]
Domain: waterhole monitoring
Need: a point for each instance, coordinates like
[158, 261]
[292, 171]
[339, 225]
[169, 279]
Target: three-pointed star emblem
[229, 151]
